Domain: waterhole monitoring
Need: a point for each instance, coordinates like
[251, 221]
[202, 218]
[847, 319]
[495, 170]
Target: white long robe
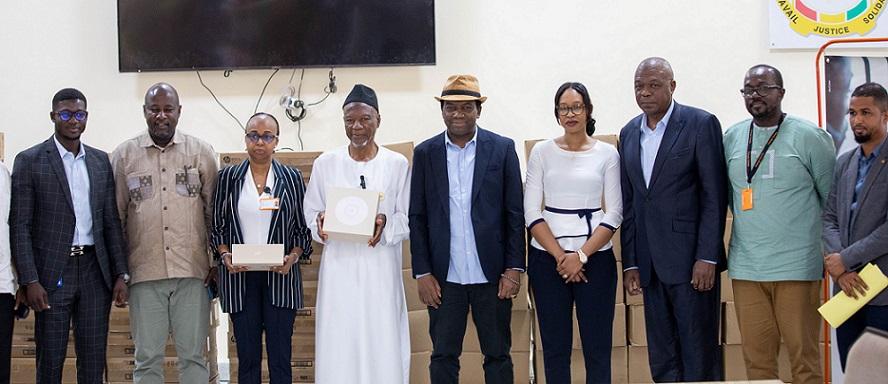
[361, 333]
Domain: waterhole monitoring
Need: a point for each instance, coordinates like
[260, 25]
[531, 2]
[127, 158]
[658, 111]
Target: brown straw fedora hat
[461, 88]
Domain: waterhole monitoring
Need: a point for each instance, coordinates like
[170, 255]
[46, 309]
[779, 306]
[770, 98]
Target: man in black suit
[467, 234]
[68, 243]
[674, 206]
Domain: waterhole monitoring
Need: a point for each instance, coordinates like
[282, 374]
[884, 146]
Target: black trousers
[447, 327]
[82, 298]
[682, 331]
[7, 321]
[594, 302]
[256, 317]
[875, 316]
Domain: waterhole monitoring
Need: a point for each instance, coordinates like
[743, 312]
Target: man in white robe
[362, 331]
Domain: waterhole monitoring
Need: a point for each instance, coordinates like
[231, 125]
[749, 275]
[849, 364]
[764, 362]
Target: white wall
[521, 51]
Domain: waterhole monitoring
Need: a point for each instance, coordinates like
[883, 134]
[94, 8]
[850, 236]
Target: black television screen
[155, 35]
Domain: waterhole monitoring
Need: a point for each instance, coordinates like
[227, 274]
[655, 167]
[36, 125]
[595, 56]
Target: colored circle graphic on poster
[832, 18]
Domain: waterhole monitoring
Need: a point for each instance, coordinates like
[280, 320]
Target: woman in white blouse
[570, 260]
[260, 202]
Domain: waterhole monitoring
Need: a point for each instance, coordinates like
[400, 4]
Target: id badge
[746, 199]
[269, 203]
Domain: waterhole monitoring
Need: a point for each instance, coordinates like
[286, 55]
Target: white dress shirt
[78, 184]
[255, 223]
[7, 270]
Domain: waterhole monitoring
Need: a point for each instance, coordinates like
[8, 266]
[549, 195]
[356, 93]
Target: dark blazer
[497, 207]
[287, 227]
[680, 218]
[41, 220]
[865, 238]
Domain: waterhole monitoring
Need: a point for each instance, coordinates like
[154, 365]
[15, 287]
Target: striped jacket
[287, 227]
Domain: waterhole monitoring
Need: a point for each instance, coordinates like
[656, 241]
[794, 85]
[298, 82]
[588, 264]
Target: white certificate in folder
[258, 257]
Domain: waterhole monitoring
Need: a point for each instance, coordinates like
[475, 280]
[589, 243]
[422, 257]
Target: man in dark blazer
[855, 220]
[467, 234]
[68, 243]
[674, 206]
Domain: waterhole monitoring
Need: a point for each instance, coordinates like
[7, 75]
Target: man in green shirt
[780, 170]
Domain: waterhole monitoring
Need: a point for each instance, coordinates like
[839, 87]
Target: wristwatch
[583, 257]
[126, 277]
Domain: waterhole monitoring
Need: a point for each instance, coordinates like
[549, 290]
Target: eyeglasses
[66, 115]
[762, 90]
[564, 110]
[254, 137]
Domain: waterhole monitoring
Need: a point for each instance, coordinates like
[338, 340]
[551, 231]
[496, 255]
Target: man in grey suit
[855, 221]
[67, 242]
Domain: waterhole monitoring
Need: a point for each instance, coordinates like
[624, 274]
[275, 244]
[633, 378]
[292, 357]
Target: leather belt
[80, 250]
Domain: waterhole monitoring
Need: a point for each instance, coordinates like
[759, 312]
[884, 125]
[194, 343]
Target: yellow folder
[841, 306]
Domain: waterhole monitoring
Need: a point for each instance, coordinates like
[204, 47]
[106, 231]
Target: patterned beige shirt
[164, 196]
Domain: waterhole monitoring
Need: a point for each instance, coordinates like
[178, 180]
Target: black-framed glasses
[761, 90]
[65, 115]
[564, 110]
[255, 137]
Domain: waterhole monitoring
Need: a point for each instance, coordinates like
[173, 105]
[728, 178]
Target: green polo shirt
[779, 238]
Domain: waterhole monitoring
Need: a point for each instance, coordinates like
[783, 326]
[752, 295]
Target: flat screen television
[162, 35]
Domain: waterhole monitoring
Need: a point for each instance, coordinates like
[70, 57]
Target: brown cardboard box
[406, 258]
[636, 327]
[639, 369]
[24, 371]
[472, 372]
[310, 270]
[731, 326]
[619, 373]
[619, 326]
[520, 328]
[420, 341]
[310, 293]
[621, 293]
[419, 367]
[727, 288]
[303, 371]
[618, 248]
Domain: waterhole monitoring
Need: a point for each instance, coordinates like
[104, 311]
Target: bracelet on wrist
[516, 282]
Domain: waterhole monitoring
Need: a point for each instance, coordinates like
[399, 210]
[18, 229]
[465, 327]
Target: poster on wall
[841, 75]
[811, 23]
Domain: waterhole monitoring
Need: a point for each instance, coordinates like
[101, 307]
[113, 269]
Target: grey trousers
[159, 308]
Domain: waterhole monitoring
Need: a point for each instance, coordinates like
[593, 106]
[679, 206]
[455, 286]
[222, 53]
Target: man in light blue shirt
[467, 232]
[465, 267]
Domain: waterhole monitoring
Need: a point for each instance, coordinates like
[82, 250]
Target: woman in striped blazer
[260, 202]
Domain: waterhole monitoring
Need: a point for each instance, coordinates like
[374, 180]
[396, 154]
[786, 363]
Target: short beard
[863, 138]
